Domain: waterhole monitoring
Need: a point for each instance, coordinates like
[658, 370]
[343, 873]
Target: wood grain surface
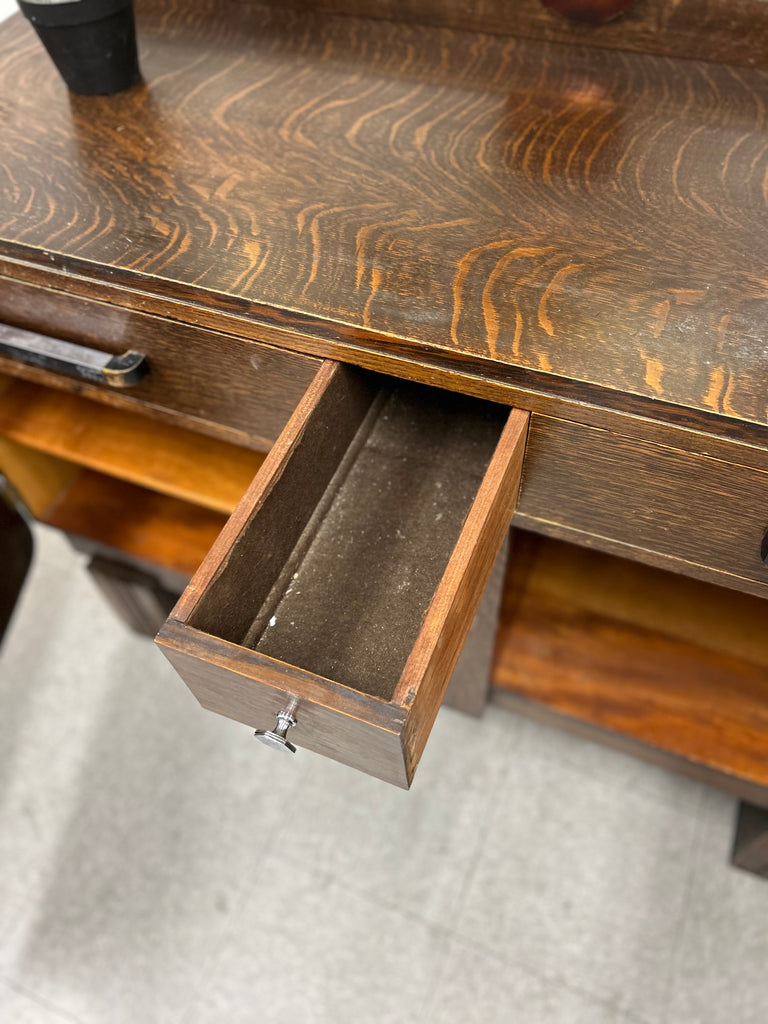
[700, 694]
[148, 527]
[570, 218]
[734, 31]
[690, 513]
[220, 385]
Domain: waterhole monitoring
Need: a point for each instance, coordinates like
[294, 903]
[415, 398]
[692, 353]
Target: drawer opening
[335, 570]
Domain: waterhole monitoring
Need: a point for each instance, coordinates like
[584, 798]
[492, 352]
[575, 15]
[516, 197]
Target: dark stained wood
[734, 31]
[633, 672]
[701, 614]
[15, 554]
[626, 744]
[227, 387]
[285, 495]
[470, 685]
[563, 219]
[750, 848]
[335, 721]
[688, 429]
[591, 12]
[686, 512]
[354, 564]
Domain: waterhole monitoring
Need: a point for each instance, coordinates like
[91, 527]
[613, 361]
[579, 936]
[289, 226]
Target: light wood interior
[370, 538]
[140, 523]
[153, 492]
[667, 661]
[173, 461]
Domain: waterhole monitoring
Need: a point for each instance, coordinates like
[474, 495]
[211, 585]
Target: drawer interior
[335, 571]
[345, 583]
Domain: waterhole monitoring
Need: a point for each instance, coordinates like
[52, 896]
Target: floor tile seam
[638, 796]
[210, 962]
[550, 979]
[473, 861]
[35, 997]
[559, 979]
[386, 904]
[433, 987]
[685, 904]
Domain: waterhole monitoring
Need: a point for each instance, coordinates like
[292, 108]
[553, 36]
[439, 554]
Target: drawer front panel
[237, 388]
[697, 514]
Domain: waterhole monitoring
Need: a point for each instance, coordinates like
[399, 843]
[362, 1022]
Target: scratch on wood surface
[661, 312]
[654, 368]
[688, 296]
[727, 404]
[376, 277]
[716, 383]
[518, 333]
[553, 285]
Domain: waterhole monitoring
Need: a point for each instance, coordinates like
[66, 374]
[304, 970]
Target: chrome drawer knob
[275, 738]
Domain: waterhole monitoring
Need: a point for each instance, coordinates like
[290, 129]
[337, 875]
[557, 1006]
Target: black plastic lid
[73, 12]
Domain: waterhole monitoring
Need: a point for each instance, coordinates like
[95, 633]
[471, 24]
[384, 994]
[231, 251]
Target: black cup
[91, 42]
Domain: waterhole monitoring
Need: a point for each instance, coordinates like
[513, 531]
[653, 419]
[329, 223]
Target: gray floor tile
[48, 693]
[308, 949]
[132, 821]
[584, 881]
[405, 849]
[477, 988]
[18, 1007]
[721, 969]
[543, 743]
[157, 865]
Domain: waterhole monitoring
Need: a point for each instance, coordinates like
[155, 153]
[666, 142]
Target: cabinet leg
[470, 683]
[136, 596]
[750, 847]
[15, 555]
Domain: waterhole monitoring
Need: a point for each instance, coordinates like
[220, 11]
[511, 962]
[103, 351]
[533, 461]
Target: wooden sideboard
[299, 204]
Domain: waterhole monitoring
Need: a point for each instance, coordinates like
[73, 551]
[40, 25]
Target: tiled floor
[156, 865]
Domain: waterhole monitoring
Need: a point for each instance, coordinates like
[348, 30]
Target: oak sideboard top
[575, 221]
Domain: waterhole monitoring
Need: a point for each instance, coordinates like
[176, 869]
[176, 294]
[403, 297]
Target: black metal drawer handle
[121, 371]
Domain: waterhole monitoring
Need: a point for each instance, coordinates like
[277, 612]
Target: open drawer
[340, 592]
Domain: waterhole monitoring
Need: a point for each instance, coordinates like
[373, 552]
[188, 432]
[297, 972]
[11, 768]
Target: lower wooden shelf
[129, 446]
[142, 524]
[663, 667]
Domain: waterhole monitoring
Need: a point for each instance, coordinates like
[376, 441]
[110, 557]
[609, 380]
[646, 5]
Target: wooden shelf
[130, 447]
[140, 523]
[624, 652]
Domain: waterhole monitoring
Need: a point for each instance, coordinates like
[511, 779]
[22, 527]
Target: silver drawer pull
[121, 371]
[275, 738]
